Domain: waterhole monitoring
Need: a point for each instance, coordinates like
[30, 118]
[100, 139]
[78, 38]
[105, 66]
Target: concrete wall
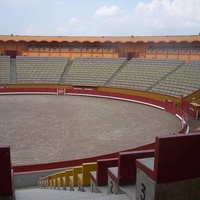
[147, 189]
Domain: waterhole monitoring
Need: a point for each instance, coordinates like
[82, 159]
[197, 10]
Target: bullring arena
[42, 129]
[73, 103]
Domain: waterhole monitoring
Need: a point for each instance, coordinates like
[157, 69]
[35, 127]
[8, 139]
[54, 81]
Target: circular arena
[51, 128]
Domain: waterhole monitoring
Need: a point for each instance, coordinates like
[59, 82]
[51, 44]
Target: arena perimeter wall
[147, 98]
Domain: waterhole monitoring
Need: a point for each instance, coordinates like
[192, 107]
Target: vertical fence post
[6, 178]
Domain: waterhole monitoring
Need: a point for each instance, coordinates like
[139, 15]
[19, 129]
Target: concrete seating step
[43, 194]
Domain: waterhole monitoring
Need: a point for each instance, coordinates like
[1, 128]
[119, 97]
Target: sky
[100, 17]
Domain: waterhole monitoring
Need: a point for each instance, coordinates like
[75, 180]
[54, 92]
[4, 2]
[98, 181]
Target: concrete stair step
[103, 189]
[130, 191]
[44, 194]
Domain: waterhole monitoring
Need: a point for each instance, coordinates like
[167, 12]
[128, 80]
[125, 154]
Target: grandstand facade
[185, 48]
[167, 65]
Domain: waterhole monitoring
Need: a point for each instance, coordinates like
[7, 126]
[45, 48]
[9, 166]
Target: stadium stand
[93, 71]
[4, 69]
[183, 81]
[40, 69]
[164, 76]
[142, 74]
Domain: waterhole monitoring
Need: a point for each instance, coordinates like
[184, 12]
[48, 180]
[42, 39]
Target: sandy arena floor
[44, 128]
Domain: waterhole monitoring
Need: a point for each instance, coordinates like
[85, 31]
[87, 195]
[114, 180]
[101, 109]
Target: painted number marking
[111, 188]
[143, 188]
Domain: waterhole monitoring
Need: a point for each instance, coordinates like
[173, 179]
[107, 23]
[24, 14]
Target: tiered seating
[93, 71]
[84, 177]
[141, 74]
[40, 69]
[95, 174]
[4, 69]
[117, 171]
[100, 176]
[125, 174]
[154, 172]
[173, 172]
[183, 81]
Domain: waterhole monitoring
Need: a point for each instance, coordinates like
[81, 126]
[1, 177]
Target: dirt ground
[48, 128]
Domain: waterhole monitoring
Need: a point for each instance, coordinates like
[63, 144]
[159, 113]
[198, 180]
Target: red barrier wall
[127, 167]
[102, 166]
[187, 107]
[193, 113]
[6, 182]
[179, 113]
[180, 161]
[71, 163]
[176, 158]
[27, 90]
[118, 95]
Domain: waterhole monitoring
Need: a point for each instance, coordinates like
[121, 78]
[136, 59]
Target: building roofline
[102, 39]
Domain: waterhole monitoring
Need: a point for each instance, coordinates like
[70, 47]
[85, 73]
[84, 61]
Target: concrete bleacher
[183, 81]
[125, 172]
[164, 76]
[84, 177]
[78, 176]
[169, 171]
[143, 74]
[4, 69]
[76, 181]
[40, 69]
[100, 176]
[93, 70]
[173, 173]
[38, 194]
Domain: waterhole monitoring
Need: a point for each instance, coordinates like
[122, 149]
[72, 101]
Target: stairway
[64, 75]
[166, 76]
[116, 73]
[54, 194]
[13, 71]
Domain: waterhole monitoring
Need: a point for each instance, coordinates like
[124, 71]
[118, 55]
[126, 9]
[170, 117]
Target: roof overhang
[101, 39]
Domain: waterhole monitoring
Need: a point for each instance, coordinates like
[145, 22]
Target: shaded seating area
[183, 81]
[40, 69]
[93, 70]
[143, 74]
[5, 69]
